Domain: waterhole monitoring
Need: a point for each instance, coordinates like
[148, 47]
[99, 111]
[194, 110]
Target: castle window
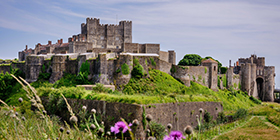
[102, 46]
[117, 38]
[117, 47]
[102, 37]
[214, 68]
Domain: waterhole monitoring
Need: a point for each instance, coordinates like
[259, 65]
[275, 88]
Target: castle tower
[245, 77]
[213, 72]
[172, 57]
[269, 72]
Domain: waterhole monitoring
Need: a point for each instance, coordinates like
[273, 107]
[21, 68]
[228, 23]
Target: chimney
[61, 41]
[229, 63]
[58, 41]
[49, 42]
[70, 39]
[26, 47]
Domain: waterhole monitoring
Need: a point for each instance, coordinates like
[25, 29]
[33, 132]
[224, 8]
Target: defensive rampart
[178, 114]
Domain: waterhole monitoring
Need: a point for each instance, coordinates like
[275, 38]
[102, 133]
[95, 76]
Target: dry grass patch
[256, 129]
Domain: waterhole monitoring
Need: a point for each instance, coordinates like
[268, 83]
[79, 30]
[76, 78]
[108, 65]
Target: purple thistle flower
[174, 135]
[120, 126]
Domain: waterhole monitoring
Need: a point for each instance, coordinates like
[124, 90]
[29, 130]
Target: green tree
[190, 60]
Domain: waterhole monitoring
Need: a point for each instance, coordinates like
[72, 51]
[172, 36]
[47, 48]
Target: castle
[109, 50]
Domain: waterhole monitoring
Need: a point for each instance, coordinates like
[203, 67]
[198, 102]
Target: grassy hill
[160, 87]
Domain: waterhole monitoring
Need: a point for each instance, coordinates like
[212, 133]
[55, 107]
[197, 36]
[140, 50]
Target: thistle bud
[92, 127]
[61, 129]
[201, 110]
[23, 118]
[149, 117]
[169, 126]
[73, 119]
[93, 111]
[68, 132]
[188, 130]
[20, 100]
[84, 108]
[135, 122]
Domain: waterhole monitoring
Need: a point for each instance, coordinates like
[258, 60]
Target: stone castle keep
[108, 48]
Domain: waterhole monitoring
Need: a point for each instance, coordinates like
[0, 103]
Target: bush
[240, 113]
[222, 118]
[125, 69]
[101, 89]
[207, 117]
[44, 76]
[157, 130]
[137, 71]
[255, 100]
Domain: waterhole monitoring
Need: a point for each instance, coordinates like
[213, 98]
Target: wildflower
[188, 130]
[68, 132]
[20, 100]
[92, 127]
[120, 126]
[73, 119]
[169, 126]
[149, 117]
[16, 113]
[201, 110]
[174, 135]
[135, 122]
[197, 116]
[44, 112]
[84, 108]
[102, 123]
[61, 129]
[93, 111]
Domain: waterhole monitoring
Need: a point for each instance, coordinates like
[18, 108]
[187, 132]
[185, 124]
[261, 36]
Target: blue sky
[223, 29]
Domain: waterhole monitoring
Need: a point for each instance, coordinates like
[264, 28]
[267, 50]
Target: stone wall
[58, 67]
[199, 74]
[181, 114]
[178, 114]
[5, 68]
[165, 66]
[164, 56]
[33, 67]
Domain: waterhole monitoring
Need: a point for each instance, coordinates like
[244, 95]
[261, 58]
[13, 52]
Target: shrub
[255, 100]
[44, 76]
[240, 113]
[100, 88]
[157, 130]
[153, 61]
[222, 118]
[207, 117]
[85, 67]
[137, 71]
[125, 69]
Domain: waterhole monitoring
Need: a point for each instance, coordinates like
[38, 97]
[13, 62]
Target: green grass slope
[160, 87]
